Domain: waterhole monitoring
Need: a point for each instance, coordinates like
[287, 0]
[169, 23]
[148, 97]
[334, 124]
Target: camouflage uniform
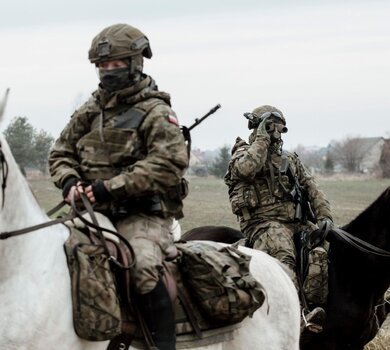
[126, 144]
[259, 193]
[130, 140]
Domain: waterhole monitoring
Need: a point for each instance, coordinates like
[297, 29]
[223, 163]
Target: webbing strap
[244, 209]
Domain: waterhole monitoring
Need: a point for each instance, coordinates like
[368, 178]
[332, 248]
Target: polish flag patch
[172, 119]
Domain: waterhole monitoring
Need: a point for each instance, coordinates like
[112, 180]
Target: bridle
[3, 175]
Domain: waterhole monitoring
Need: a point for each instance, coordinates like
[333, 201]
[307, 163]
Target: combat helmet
[276, 116]
[259, 113]
[121, 42]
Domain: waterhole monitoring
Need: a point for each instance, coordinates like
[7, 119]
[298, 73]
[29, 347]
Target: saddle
[118, 319]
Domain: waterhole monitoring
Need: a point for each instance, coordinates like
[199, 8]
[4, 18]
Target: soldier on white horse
[124, 148]
[35, 292]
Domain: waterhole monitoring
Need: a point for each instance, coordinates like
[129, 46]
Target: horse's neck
[21, 210]
[364, 272]
[373, 224]
[20, 207]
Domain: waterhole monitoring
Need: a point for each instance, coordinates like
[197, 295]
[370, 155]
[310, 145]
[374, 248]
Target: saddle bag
[96, 307]
[220, 281]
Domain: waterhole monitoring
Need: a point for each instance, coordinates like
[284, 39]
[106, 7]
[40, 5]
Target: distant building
[371, 150]
[360, 155]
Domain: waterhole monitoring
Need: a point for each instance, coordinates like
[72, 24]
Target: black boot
[157, 310]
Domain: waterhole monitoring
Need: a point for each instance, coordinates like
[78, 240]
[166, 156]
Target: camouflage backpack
[96, 307]
[220, 281]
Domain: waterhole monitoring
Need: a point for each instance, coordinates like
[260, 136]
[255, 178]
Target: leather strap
[359, 244]
[4, 175]
[5, 235]
[189, 313]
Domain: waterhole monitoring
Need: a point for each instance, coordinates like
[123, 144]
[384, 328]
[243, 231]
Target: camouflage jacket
[259, 189]
[101, 143]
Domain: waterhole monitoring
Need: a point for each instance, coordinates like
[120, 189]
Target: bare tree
[349, 152]
[313, 158]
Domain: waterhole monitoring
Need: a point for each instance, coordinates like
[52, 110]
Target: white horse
[35, 298]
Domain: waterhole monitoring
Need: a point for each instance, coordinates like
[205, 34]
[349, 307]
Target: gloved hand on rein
[325, 224]
[319, 235]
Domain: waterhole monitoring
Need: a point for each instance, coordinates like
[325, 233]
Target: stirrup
[314, 320]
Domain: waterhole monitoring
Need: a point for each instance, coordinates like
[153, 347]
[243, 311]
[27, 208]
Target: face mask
[114, 79]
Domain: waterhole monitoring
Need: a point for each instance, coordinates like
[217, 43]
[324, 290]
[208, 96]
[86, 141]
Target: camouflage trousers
[152, 242]
[276, 239]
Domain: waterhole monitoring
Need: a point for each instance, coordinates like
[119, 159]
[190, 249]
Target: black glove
[319, 235]
[100, 192]
[68, 184]
[325, 224]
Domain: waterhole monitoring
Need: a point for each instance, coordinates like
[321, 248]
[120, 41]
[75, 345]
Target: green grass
[350, 197]
[208, 202]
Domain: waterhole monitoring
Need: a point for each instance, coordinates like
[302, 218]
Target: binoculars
[276, 127]
[275, 122]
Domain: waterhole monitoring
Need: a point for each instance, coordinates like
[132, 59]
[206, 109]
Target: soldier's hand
[74, 193]
[98, 192]
[90, 195]
[325, 224]
[262, 128]
[319, 235]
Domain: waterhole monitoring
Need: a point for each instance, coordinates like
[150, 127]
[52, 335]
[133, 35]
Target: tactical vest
[105, 151]
[266, 196]
[108, 150]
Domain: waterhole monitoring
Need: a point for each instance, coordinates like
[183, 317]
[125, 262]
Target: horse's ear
[3, 103]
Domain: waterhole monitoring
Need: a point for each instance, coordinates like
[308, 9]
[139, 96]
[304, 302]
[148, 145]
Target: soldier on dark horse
[359, 263]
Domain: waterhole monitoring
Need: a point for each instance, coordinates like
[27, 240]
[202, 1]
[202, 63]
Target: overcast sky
[325, 64]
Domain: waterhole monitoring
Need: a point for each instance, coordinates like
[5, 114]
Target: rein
[359, 244]
[3, 174]
[76, 213]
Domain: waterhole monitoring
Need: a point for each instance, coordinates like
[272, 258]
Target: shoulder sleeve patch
[172, 119]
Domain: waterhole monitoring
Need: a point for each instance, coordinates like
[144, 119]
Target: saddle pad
[189, 341]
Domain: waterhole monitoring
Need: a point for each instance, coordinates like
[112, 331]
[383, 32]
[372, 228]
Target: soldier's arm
[247, 161]
[63, 160]
[165, 162]
[319, 204]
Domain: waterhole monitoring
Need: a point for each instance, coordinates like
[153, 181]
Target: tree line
[29, 146]
[349, 155]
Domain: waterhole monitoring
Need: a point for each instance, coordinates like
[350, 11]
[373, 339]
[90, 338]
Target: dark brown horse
[359, 275]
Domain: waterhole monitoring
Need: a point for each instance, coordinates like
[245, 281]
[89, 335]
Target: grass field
[208, 204]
